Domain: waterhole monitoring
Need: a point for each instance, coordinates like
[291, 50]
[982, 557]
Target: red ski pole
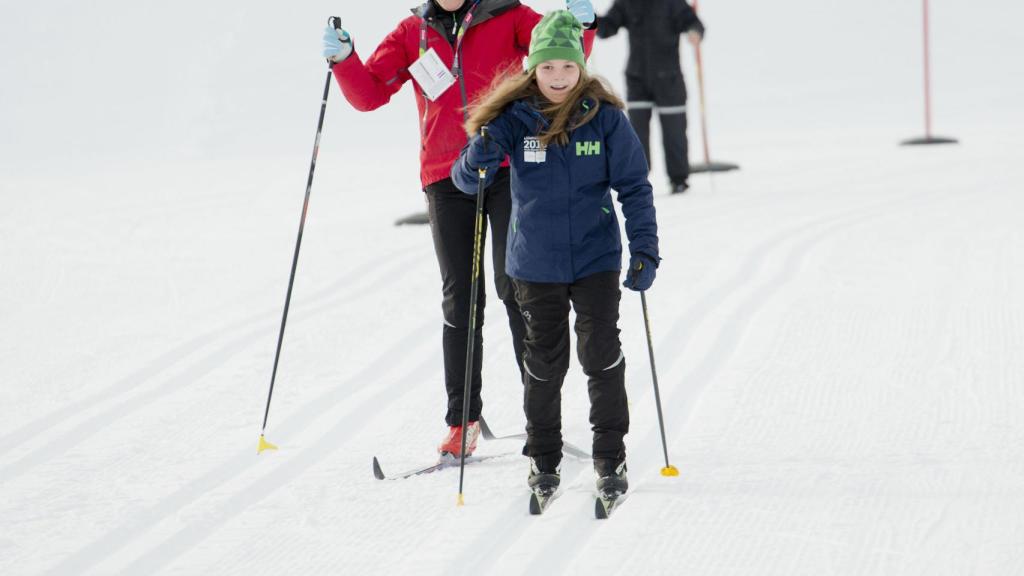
[703, 110]
[928, 138]
[927, 76]
[708, 165]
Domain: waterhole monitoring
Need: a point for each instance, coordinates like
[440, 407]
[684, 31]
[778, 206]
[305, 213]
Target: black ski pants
[545, 307]
[452, 221]
[667, 95]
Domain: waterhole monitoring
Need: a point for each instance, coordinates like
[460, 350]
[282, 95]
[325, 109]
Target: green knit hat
[558, 36]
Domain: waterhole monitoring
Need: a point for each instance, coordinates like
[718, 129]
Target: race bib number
[533, 151]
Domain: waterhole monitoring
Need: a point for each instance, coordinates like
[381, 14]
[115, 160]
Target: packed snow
[837, 326]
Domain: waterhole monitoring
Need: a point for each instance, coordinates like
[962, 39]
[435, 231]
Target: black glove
[483, 153]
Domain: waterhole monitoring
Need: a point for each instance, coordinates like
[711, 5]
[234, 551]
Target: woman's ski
[446, 461]
[567, 448]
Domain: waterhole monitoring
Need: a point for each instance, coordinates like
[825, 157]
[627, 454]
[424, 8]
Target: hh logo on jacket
[534, 151]
[588, 148]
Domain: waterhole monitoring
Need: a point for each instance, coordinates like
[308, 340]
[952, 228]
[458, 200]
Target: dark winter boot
[680, 187]
[611, 476]
[544, 473]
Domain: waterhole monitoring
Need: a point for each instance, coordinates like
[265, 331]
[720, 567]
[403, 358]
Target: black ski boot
[611, 485]
[611, 477]
[543, 480]
[544, 473]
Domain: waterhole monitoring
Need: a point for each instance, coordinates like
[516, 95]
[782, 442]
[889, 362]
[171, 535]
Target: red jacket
[497, 39]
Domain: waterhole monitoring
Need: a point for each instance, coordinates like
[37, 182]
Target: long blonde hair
[514, 86]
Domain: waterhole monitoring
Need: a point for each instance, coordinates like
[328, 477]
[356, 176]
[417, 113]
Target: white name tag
[431, 74]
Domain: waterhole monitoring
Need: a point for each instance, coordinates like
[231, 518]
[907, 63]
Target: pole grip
[482, 172]
[333, 22]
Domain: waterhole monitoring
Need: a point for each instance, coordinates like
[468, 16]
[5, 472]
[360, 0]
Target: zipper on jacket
[423, 124]
[569, 188]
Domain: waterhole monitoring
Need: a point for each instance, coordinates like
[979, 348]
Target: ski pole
[478, 237]
[703, 109]
[668, 470]
[263, 444]
[700, 90]
[928, 137]
[927, 77]
[708, 165]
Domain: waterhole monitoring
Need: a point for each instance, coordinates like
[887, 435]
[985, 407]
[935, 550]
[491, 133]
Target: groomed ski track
[821, 462]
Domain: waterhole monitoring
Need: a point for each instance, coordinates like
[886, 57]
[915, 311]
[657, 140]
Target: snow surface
[838, 327]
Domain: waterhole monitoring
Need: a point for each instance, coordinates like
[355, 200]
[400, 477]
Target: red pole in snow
[927, 78]
[708, 165]
[703, 111]
[700, 89]
[928, 138]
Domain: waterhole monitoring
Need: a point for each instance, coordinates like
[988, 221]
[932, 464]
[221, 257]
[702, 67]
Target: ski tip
[264, 445]
[670, 471]
[600, 510]
[485, 430]
[535, 508]
[377, 472]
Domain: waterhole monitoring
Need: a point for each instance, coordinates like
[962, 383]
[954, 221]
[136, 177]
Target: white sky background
[107, 85]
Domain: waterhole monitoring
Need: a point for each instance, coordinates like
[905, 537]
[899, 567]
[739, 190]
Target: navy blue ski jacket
[563, 225]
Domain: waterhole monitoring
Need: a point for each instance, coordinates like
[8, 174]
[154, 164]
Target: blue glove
[642, 269]
[337, 44]
[583, 10]
[483, 153]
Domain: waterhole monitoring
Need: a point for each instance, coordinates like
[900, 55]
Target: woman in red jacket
[474, 41]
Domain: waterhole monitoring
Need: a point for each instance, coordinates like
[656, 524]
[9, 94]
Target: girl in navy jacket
[569, 144]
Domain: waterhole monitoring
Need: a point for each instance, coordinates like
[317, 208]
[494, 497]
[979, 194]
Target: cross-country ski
[446, 461]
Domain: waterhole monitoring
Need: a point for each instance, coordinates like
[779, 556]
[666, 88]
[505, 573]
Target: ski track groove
[191, 374]
[180, 353]
[735, 327]
[114, 540]
[174, 547]
[491, 541]
[728, 341]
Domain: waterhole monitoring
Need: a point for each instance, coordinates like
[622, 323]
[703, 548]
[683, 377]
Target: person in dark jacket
[473, 40]
[570, 144]
[654, 76]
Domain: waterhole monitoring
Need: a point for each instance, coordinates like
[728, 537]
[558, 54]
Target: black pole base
[929, 140]
[416, 218]
[713, 167]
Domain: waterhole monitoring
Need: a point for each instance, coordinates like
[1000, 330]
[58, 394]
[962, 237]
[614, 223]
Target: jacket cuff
[655, 259]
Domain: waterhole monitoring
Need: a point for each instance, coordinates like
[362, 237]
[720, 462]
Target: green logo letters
[588, 148]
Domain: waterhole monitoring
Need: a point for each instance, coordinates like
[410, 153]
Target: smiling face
[557, 78]
[450, 5]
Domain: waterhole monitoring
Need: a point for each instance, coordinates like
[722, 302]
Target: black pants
[667, 95]
[452, 222]
[546, 310]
